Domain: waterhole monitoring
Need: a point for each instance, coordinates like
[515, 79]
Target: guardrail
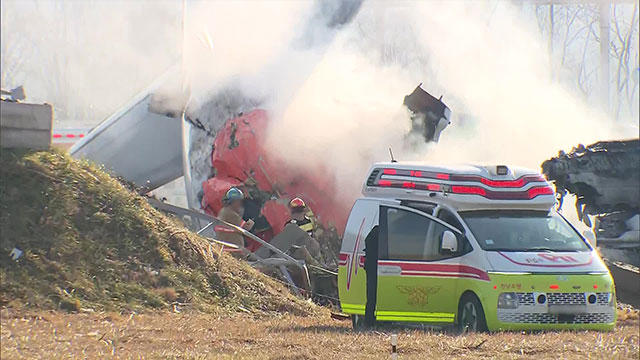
[281, 261]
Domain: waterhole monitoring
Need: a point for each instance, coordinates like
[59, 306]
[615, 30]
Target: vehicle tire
[357, 321]
[471, 315]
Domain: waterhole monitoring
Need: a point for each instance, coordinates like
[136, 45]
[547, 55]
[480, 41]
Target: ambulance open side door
[417, 267]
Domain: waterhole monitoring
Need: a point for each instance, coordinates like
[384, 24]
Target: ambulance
[479, 247]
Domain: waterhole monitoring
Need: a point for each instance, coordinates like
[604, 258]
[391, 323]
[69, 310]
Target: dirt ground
[57, 335]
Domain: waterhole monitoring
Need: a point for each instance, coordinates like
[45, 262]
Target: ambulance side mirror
[590, 236]
[448, 243]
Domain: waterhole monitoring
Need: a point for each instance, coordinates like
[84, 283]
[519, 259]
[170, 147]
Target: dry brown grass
[201, 336]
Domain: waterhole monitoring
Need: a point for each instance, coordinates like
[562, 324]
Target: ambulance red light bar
[434, 187]
[416, 174]
[468, 190]
[409, 185]
[518, 183]
[540, 190]
[503, 195]
[421, 186]
[474, 190]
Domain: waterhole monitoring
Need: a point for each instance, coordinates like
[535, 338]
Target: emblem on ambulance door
[418, 295]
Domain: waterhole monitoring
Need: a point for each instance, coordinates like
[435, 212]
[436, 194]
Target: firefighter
[231, 212]
[371, 270]
[298, 210]
[307, 250]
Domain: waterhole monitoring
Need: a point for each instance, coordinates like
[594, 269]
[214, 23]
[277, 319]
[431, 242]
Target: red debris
[214, 189]
[277, 214]
[239, 154]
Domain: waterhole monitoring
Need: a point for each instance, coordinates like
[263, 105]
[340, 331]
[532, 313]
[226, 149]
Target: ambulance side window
[409, 236]
[446, 216]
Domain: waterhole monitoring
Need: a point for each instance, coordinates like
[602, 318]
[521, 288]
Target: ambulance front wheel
[470, 314]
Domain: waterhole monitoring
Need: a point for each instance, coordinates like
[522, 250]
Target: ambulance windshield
[523, 231]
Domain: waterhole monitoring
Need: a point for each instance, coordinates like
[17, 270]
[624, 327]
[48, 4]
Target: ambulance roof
[463, 187]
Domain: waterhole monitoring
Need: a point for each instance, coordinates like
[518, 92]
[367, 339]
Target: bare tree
[15, 48]
[623, 47]
[576, 40]
[88, 57]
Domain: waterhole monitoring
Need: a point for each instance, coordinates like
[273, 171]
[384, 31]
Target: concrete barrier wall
[25, 125]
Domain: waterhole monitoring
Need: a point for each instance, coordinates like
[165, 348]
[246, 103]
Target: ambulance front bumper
[557, 310]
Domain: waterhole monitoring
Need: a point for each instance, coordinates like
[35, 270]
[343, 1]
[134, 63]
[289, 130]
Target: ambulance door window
[406, 234]
[446, 216]
[410, 236]
[432, 245]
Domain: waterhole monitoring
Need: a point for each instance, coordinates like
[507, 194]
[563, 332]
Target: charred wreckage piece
[429, 116]
[604, 178]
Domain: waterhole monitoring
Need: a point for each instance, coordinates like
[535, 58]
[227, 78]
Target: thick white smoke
[338, 104]
[486, 60]
[345, 116]
[87, 58]
[229, 43]
[335, 93]
[497, 68]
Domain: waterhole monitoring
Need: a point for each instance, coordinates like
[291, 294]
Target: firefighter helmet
[297, 203]
[232, 194]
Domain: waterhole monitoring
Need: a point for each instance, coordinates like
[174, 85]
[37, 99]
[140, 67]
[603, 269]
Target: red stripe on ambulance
[437, 270]
[551, 261]
[345, 258]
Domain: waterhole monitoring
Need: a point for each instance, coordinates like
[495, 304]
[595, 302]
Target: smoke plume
[332, 74]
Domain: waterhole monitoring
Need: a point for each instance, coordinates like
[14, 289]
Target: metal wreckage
[237, 156]
[605, 179]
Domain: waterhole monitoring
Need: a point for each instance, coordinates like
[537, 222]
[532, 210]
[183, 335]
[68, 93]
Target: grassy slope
[89, 242]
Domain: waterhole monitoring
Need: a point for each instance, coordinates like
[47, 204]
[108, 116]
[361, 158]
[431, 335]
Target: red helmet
[297, 203]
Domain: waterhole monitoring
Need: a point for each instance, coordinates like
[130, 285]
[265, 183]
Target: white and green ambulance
[477, 246]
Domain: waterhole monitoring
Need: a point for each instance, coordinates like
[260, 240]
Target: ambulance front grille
[526, 299]
[566, 299]
[603, 298]
[594, 318]
[544, 318]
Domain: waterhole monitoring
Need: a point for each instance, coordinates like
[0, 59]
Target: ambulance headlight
[508, 301]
